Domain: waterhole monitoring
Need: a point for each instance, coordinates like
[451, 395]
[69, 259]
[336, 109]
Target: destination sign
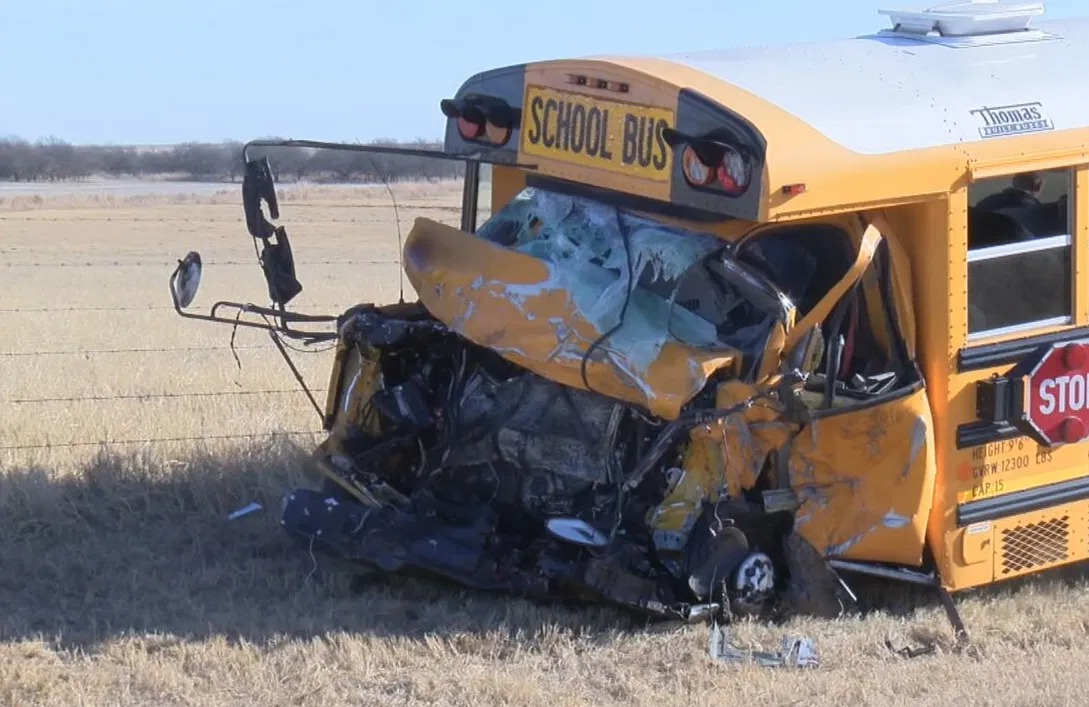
[626, 138]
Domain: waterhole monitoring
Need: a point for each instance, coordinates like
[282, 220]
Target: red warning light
[1072, 429]
[730, 170]
[1075, 355]
[733, 171]
[469, 129]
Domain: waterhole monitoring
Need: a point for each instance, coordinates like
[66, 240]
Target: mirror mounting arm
[281, 315]
[265, 311]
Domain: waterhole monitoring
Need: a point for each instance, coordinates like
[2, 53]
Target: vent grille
[1034, 545]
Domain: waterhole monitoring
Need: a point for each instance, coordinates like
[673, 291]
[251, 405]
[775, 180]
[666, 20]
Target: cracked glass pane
[589, 247]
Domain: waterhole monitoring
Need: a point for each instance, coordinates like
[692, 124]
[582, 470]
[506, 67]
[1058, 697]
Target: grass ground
[122, 582]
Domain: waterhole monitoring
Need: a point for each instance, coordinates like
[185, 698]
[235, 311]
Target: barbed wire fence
[162, 263]
[19, 354]
[31, 405]
[34, 217]
[155, 440]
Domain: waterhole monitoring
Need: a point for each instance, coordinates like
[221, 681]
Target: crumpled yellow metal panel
[750, 437]
[722, 459]
[865, 479]
[508, 301]
[903, 298]
[700, 478]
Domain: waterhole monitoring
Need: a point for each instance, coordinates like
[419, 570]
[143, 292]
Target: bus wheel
[752, 586]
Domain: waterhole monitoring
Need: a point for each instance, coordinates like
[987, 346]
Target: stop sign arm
[1045, 396]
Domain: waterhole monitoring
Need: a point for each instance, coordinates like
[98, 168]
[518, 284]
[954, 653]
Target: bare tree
[54, 159]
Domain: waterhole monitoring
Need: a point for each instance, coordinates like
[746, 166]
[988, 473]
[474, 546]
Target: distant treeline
[56, 160]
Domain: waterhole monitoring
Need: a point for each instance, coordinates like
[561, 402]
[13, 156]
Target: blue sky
[146, 72]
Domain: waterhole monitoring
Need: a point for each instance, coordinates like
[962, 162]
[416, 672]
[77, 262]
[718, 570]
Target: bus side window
[1020, 266]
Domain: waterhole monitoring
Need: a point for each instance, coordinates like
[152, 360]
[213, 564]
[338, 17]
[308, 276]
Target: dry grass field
[123, 583]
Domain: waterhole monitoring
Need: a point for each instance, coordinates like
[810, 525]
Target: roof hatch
[972, 23]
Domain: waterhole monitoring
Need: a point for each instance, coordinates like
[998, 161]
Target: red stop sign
[1056, 394]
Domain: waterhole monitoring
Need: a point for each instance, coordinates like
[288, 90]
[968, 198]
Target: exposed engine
[463, 464]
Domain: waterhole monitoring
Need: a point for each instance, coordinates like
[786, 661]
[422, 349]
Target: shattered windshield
[590, 246]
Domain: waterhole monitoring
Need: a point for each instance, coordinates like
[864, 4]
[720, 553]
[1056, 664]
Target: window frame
[1009, 250]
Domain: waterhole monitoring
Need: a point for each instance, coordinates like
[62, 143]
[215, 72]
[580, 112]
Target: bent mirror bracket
[274, 252]
[275, 256]
[258, 185]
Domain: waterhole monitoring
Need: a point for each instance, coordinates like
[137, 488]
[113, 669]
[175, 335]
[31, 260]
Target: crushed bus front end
[625, 385]
[522, 426]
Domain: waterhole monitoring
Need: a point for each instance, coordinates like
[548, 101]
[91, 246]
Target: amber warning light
[710, 163]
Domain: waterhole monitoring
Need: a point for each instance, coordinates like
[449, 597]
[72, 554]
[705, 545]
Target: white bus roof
[891, 91]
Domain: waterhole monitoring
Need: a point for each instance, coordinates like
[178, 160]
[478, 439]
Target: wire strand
[145, 308]
[165, 263]
[96, 352]
[150, 396]
[157, 440]
[11, 215]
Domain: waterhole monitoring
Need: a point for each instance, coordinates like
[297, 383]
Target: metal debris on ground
[796, 651]
[928, 648]
[245, 511]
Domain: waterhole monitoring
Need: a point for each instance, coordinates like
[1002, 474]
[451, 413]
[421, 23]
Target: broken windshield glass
[591, 247]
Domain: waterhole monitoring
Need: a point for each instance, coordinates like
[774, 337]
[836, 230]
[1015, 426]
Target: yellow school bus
[742, 324]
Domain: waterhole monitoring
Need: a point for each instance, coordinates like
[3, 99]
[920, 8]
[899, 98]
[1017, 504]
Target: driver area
[861, 355]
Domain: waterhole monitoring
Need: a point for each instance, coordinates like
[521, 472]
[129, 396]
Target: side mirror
[185, 281]
[278, 264]
[258, 185]
[276, 258]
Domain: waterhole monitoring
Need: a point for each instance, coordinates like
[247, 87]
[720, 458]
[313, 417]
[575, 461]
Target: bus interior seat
[1037, 221]
[992, 228]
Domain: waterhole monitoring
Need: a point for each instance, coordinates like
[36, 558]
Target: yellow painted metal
[877, 483]
[590, 131]
[977, 544]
